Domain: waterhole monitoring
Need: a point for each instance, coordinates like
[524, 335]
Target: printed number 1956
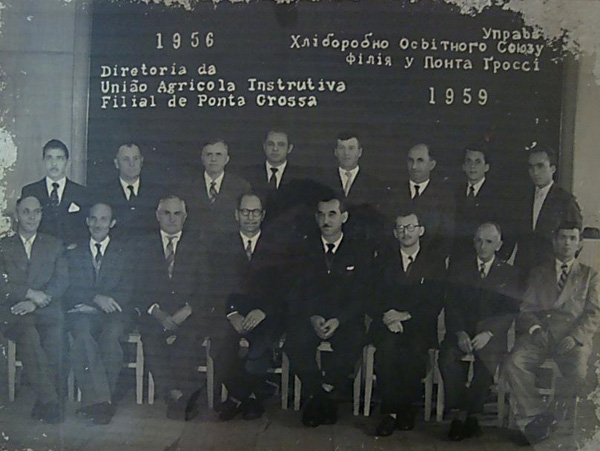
[451, 96]
[176, 40]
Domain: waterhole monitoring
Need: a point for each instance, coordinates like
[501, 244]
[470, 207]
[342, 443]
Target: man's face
[419, 164]
[540, 169]
[55, 161]
[566, 244]
[475, 166]
[408, 232]
[277, 148]
[215, 158]
[250, 215]
[330, 219]
[29, 215]
[129, 162]
[100, 221]
[348, 152]
[171, 216]
[487, 242]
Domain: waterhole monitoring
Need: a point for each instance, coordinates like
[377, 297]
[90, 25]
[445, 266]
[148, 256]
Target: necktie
[131, 193]
[54, 200]
[329, 256]
[248, 250]
[482, 271]
[28, 244]
[347, 185]
[170, 255]
[409, 265]
[212, 192]
[563, 277]
[98, 258]
[273, 179]
[417, 188]
[471, 192]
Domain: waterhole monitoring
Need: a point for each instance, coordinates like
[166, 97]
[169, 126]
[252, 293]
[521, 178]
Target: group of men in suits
[226, 258]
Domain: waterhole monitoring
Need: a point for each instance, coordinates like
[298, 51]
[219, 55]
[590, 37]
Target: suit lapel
[19, 255]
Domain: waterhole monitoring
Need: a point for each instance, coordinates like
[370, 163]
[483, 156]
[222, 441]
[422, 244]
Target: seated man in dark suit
[327, 304]
[98, 312]
[171, 281]
[63, 201]
[481, 305]
[559, 316]
[409, 297]
[213, 196]
[133, 198]
[34, 276]
[249, 275]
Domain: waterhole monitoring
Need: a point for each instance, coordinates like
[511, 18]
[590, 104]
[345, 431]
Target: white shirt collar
[253, 240]
[486, 265]
[336, 244]
[103, 245]
[422, 186]
[353, 172]
[476, 187]
[61, 186]
[136, 187]
[165, 239]
[406, 257]
[543, 192]
[559, 264]
[218, 181]
[279, 173]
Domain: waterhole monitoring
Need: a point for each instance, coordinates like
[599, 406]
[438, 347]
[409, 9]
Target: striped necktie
[170, 255]
[562, 280]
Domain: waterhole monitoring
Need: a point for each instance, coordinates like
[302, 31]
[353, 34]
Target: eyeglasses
[408, 228]
[255, 213]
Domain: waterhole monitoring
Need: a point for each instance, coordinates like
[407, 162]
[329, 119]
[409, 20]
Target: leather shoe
[229, 410]
[540, 428]
[103, 413]
[252, 409]
[176, 409]
[311, 415]
[52, 413]
[457, 430]
[191, 408]
[387, 426]
[38, 410]
[472, 428]
[406, 420]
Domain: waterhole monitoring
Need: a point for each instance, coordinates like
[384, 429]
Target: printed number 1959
[451, 96]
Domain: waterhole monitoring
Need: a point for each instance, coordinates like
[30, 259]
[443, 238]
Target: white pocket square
[349, 268]
[74, 208]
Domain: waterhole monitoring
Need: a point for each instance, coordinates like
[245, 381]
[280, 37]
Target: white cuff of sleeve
[230, 314]
[152, 307]
[533, 328]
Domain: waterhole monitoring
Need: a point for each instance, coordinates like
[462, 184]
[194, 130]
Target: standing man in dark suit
[171, 290]
[98, 312]
[409, 297]
[34, 276]
[430, 198]
[481, 305]
[249, 273]
[327, 304]
[362, 193]
[133, 198]
[63, 201]
[559, 316]
[214, 195]
[548, 205]
[478, 201]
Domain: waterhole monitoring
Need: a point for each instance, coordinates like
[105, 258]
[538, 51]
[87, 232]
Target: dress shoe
[229, 410]
[176, 409]
[311, 415]
[472, 428]
[457, 430]
[252, 409]
[406, 420]
[38, 410]
[52, 413]
[103, 413]
[387, 426]
[191, 408]
[540, 428]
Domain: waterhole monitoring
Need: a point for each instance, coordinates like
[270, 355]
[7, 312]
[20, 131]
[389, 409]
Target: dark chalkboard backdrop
[391, 107]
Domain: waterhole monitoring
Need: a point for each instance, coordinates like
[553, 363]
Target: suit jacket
[436, 210]
[475, 305]
[490, 204]
[575, 311]
[340, 291]
[242, 284]
[419, 292]
[535, 246]
[47, 271]
[67, 221]
[115, 277]
[135, 217]
[188, 283]
[218, 217]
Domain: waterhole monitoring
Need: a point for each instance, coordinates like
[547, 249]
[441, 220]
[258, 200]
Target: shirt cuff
[533, 328]
[152, 307]
[230, 314]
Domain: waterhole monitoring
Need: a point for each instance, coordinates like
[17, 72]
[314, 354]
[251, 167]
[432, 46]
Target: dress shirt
[218, 181]
[165, 240]
[486, 265]
[253, 240]
[61, 187]
[538, 201]
[136, 187]
[278, 174]
[559, 264]
[405, 258]
[336, 243]
[344, 179]
[103, 245]
[28, 244]
[422, 187]
[476, 187]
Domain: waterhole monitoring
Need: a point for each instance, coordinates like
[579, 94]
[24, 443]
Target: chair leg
[357, 388]
[150, 388]
[369, 378]
[439, 407]
[12, 369]
[224, 393]
[71, 386]
[297, 392]
[285, 380]
[139, 371]
[210, 381]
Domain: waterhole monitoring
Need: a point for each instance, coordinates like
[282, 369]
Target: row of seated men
[326, 302]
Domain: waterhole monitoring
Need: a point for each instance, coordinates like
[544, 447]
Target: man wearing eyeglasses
[409, 294]
[249, 280]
